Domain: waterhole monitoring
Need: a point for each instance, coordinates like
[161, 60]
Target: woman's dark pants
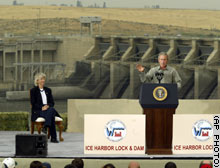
[49, 116]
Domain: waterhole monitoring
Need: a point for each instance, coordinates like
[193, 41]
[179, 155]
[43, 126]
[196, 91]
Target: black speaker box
[31, 145]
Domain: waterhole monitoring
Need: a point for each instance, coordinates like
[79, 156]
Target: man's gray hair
[163, 53]
[37, 77]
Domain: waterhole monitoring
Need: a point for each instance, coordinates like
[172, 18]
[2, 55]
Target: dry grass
[64, 20]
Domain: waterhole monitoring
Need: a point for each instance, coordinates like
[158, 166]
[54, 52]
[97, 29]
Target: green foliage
[19, 121]
[14, 121]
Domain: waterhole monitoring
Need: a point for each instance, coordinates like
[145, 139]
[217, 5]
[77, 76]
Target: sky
[188, 4]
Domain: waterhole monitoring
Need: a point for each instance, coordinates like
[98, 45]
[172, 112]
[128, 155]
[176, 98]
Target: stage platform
[72, 147]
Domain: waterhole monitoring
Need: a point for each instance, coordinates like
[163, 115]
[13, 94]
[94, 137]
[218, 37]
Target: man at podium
[159, 100]
[160, 74]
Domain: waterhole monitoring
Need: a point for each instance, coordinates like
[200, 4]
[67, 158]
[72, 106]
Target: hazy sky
[191, 4]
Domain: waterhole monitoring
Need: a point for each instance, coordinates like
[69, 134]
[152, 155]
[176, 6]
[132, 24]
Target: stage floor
[72, 147]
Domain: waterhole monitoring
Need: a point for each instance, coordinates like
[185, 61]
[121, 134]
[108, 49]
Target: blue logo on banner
[202, 130]
[115, 130]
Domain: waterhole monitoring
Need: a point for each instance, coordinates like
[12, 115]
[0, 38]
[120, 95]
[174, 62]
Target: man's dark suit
[37, 104]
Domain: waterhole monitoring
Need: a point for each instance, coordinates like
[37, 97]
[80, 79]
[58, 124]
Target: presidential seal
[160, 93]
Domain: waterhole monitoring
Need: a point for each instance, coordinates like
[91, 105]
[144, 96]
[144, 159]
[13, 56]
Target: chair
[39, 122]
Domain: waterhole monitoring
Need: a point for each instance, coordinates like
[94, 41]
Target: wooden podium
[159, 103]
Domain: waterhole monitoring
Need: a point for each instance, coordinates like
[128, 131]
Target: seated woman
[43, 105]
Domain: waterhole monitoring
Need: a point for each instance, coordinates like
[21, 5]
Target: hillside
[64, 20]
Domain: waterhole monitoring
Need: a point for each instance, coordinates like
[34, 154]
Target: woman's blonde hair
[37, 77]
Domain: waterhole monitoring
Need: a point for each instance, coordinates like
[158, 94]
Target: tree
[79, 3]
[104, 5]
[157, 6]
[14, 2]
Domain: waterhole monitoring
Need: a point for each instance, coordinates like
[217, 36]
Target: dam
[104, 67]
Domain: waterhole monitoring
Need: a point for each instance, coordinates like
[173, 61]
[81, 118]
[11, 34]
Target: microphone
[159, 75]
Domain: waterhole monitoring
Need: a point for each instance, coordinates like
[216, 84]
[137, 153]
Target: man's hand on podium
[140, 68]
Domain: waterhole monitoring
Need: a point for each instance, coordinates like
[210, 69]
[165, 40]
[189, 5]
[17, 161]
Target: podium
[159, 103]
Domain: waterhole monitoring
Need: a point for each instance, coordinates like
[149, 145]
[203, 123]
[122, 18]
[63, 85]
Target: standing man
[160, 74]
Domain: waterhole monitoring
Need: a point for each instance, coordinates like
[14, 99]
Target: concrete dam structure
[196, 60]
[21, 59]
[105, 67]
